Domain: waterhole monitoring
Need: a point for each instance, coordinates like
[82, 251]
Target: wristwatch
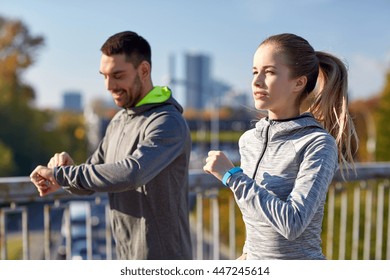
[229, 173]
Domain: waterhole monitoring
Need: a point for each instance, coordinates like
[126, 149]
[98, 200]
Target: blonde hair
[327, 82]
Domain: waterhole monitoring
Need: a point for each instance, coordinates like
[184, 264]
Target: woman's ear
[300, 83]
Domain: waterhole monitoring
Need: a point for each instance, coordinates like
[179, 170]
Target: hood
[156, 97]
[280, 128]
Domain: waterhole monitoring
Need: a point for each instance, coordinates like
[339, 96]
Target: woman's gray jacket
[287, 169]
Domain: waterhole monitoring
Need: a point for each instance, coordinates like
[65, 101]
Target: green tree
[18, 120]
[17, 53]
[382, 121]
[7, 163]
[28, 136]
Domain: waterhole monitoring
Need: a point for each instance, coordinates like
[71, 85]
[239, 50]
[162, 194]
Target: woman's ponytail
[330, 105]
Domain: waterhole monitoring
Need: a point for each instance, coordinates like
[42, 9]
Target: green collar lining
[156, 95]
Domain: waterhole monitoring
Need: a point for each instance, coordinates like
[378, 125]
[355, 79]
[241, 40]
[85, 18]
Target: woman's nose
[258, 81]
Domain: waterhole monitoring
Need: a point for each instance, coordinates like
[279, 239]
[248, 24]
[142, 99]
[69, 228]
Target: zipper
[262, 152]
[121, 136]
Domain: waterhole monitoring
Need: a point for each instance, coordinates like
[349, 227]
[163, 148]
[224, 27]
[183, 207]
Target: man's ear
[144, 69]
[300, 83]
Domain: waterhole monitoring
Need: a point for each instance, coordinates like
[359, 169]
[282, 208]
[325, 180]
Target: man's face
[122, 80]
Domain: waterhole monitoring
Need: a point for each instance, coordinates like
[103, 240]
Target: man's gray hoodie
[142, 163]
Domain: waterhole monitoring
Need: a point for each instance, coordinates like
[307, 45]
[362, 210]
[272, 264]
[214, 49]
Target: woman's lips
[259, 94]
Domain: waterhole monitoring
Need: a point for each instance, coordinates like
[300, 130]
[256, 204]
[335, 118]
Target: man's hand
[43, 178]
[60, 159]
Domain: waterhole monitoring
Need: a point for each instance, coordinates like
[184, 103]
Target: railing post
[3, 240]
[379, 222]
[367, 223]
[232, 228]
[88, 233]
[215, 223]
[199, 225]
[46, 231]
[108, 233]
[68, 233]
[330, 224]
[355, 222]
[3, 230]
[25, 231]
[343, 222]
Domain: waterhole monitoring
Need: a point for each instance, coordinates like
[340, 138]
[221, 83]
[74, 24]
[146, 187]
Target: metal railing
[356, 222]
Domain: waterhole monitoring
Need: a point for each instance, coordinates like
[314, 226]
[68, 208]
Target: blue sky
[229, 31]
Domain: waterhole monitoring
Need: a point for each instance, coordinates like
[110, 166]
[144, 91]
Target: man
[142, 161]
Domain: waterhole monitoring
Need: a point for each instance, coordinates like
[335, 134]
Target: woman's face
[272, 87]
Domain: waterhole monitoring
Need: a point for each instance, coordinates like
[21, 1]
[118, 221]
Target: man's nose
[110, 84]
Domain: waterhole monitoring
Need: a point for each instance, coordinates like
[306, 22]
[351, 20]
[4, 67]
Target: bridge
[356, 222]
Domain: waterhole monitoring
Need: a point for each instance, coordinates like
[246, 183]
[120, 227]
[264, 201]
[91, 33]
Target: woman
[288, 160]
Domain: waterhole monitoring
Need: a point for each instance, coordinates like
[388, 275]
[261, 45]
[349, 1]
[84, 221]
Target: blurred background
[52, 94]
[52, 97]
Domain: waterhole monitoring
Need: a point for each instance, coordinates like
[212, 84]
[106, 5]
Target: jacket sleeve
[96, 158]
[165, 138]
[291, 217]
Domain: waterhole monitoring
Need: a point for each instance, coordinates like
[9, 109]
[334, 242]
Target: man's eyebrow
[113, 73]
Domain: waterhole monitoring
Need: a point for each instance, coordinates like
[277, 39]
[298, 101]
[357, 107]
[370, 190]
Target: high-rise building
[200, 89]
[198, 82]
[72, 101]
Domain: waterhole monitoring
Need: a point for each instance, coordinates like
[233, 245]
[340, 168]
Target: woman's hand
[217, 164]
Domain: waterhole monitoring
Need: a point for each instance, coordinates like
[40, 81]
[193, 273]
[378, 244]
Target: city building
[72, 101]
[201, 90]
[198, 81]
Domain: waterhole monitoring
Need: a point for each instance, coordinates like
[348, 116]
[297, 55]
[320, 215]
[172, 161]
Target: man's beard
[136, 91]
